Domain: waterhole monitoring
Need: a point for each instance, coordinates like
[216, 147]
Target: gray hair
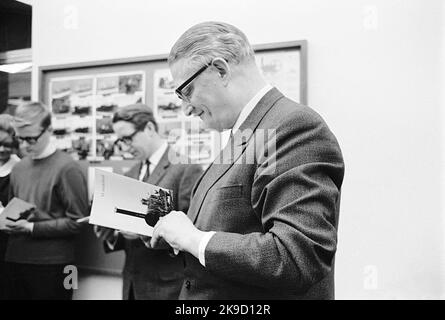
[208, 40]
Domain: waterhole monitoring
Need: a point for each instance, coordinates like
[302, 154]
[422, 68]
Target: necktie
[147, 173]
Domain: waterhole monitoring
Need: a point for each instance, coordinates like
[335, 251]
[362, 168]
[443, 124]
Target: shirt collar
[6, 168]
[249, 107]
[157, 155]
[49, 150]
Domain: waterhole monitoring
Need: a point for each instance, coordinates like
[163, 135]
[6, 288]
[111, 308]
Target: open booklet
[15, 210]
[127, 204]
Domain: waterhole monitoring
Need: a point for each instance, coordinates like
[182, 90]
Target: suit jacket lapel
[195, 186]
[160, 169]
[134, 171]
[233, 150]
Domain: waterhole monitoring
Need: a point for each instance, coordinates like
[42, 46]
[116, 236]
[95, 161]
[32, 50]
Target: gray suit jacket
[156, 274]
[275, 213]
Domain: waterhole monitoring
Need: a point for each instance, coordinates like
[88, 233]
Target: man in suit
[149, 273]
[263, 218]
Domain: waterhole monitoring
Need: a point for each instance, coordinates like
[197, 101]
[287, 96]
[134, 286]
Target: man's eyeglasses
[185, 95]
[31, 140]
[127, 139]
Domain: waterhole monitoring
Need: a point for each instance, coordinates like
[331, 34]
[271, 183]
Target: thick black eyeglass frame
[179, 92]
[128, 139]
[32, 140]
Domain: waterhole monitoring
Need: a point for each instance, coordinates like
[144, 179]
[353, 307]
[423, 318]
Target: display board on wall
[83, 108]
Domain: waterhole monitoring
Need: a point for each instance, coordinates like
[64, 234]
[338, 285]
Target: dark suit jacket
[155, 274]
[275, 213]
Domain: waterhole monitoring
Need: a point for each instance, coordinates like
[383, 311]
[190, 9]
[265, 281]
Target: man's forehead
[123, 127]
[29, 129]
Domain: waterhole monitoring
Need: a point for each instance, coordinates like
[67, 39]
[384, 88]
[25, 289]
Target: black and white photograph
[297, 150]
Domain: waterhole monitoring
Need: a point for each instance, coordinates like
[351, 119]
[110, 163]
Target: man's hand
[129, 235]
[103, 233]
[178, 231]
[19, 227]
[161, 245]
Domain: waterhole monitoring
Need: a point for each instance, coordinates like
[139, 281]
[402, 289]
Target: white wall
[443, 130]
[375, 74]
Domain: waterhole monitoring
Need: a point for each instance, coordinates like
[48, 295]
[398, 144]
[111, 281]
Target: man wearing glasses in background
[41, 246]
[150, 274]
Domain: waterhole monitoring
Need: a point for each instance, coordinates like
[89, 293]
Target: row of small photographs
[104, 127]
[66, 131]
[198, 151]
[71, 124]
[81, 148]
[107, 85]
[112, 102]
[199, 155]
[82, 131]
[75, 87]
[127, 84]
[63, 106]
[168, 111]
[60, 107]
[171, 111]
[102, 130]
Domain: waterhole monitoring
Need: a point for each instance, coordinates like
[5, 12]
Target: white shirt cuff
[202, 246]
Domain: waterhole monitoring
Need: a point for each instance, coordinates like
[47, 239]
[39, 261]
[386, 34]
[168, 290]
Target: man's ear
[223, 69]
[150, 127]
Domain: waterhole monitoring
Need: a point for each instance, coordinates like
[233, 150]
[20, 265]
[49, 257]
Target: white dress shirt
[154, 160]
[248, 108]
